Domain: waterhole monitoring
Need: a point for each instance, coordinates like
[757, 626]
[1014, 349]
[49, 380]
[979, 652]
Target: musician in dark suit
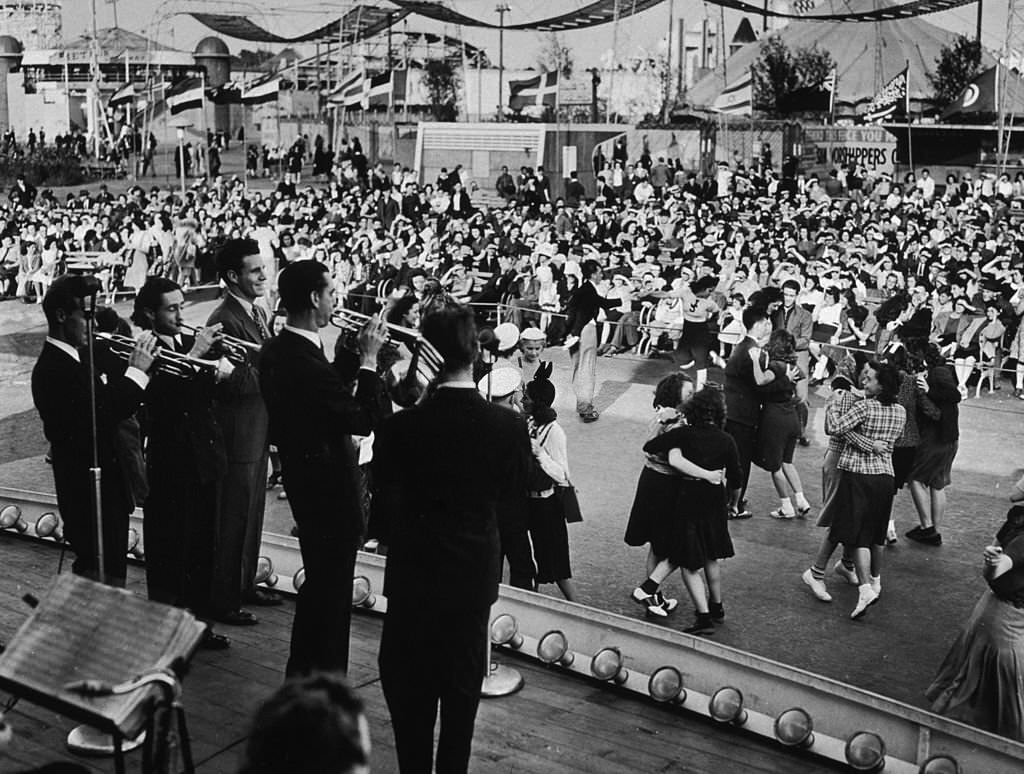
[185, 460]
[312, 419]
[440, 468]
[742, 399]
[60, 391]
[242, 417]
[581, 324]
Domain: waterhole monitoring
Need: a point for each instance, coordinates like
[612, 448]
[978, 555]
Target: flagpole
[204, 140]
[910, 134]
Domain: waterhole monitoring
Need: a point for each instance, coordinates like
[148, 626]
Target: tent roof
[853, 46]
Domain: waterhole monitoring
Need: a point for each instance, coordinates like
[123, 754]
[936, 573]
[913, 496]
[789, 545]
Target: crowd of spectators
[867, 251]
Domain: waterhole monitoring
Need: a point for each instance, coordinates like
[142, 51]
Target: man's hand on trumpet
[144, 354]
[371, 338]
[206, 339]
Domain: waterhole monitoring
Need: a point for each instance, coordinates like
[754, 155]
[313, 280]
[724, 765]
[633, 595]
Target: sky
[643, 32]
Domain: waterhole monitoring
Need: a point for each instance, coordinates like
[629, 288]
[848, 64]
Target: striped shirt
[864, 423]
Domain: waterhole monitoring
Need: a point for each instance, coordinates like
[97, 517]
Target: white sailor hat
[533, 334]
[507, 335]
[503, 382]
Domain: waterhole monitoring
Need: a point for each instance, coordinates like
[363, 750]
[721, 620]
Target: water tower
[212, 54]
[36, 23]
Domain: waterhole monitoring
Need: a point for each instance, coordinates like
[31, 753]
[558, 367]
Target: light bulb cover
[666, 685]
[299, 578]
[264, 569]
[10, 517]
[505, 631]
[726, 706]
[607, 665]
[794, 728]
[48, 525]
[362, 592]
[865, 751]
[133, 539]
[553, 648]
[940, 764]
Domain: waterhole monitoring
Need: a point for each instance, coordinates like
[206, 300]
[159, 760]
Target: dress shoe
[263, 598]
[816, 586]
[702, 625]
[273, 480]
[865, 599]
[238, 617]
[803, 440]
[213, 641]
[928, 536]
[779, 513]
[589, 416]
[654, 604]
[740, 514]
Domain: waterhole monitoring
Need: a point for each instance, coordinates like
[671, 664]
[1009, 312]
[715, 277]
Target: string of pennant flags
[191, 93]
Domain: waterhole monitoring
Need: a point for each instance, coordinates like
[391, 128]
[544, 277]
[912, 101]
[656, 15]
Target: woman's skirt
[823, 333]
[695, 344]
[861, 512]
[981, 680]
[777, 435]
[933, 464]
[696, 531]
[656, 494]
[829, 488]
[550, 538]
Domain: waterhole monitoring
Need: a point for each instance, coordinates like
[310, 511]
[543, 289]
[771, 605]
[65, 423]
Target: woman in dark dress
[779, 428]
[695, 536]
[979, 680]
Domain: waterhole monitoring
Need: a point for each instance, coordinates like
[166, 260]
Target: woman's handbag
[570, 503]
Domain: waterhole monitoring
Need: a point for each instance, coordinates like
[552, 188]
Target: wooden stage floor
[556, 723]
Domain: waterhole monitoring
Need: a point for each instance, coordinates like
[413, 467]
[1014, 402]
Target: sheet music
[83, 630]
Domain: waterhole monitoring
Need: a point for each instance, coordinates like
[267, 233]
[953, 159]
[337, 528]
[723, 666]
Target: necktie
[257, 315]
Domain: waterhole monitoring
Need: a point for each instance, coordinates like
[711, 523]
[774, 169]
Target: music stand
[86, 631]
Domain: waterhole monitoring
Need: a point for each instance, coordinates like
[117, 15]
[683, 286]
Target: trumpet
[168, 361]
[234, 348]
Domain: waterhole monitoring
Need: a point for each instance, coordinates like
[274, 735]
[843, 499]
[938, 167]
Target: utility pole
[114, 3]
[501, 10]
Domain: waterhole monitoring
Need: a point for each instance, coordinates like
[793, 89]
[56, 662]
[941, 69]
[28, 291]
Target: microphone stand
[89, 304]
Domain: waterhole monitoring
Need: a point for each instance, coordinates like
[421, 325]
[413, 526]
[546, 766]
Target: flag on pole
[893, 97]
[830, 86]
[227, 94]
[349, 93]
[542, 90]
[737, 99]
[185, 95]
[377, 90]
[263, 92]
[123, 96]
[981, 96]
[800, 7]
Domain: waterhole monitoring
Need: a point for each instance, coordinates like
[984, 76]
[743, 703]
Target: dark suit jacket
[742, 400]
[800, 324]
[583, 306]
[439, 470]
[239, 406]
[60, 391]
[312, 419]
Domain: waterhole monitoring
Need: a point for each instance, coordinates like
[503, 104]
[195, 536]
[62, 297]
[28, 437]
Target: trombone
[235, 349]
[168, 361]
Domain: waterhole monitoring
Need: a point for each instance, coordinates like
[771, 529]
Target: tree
[955, 67]
[251, 60]
[442, 86]
[785, 81]
[554, 56]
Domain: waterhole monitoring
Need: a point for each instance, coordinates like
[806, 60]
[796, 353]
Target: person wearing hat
[531, 344]
[581, 339]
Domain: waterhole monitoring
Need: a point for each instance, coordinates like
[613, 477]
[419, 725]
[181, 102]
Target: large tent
[853, 46]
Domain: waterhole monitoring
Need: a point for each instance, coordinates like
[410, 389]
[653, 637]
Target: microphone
[88, 286]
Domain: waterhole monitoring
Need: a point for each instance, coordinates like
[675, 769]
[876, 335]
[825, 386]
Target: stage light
[362, 592]
[505, 631]
[726, 706]
[940, 764]
[134, 547]
[299, 578]
[865, 751]
[553, 648]
[794, 728]
[265, 572]
[607, 665]
[48, 525]
[666, 685]
[10, 518]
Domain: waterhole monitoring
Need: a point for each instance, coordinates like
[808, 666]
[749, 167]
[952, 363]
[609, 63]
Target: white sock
[801, 501]
[787, 505]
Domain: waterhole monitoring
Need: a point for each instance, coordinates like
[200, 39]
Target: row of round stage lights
[865, 750]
